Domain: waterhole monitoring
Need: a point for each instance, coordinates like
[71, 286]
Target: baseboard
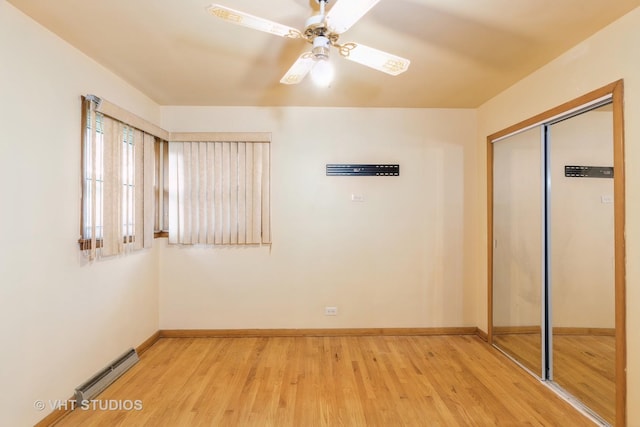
[56, 415]
[511, 330]
[60, 413]
[148, 343]
[482, 335]
[338, 332]
[607, 332]
[557, 330]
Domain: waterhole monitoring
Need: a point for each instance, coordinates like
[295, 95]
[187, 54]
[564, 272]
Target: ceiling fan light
[322, 73]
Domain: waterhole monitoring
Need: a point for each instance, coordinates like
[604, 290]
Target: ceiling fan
[322, 30]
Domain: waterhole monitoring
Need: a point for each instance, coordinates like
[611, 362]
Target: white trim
[120, 114]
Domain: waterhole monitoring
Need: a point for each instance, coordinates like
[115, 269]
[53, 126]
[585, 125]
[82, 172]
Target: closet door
[581, 259]
[517, 248]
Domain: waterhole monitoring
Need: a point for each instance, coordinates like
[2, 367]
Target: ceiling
[462, 52]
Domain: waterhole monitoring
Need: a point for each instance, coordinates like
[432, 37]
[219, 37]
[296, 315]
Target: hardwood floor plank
[584, 365]
[329, 381]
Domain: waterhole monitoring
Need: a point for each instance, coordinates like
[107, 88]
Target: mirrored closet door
[556, 254]
[517, 248]
[581, 258]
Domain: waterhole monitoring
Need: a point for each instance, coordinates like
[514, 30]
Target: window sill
[85, 244]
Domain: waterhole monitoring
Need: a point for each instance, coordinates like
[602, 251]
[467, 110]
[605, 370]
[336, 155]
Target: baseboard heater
[103, 379]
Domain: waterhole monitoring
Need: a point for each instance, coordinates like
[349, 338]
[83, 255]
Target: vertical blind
[219, 193]
[118, 168]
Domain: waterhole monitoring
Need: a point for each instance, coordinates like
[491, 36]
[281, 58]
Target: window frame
[132, 123]
[161, 188]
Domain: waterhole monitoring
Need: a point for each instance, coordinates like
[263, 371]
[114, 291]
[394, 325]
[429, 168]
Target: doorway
[556, 250]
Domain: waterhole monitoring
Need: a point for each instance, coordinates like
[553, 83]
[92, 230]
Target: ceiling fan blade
[345, 13]
[374, 58]
[299, 69]
[241, 18]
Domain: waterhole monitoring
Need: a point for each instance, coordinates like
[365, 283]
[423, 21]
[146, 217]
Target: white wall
[609, 55]
[394, 260]
[60, 320]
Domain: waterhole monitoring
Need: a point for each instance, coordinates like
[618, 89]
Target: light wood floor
[332, 381]
[584, 365]
[525, 348]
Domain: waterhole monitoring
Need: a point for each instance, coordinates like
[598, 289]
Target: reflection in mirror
[582, 261]
[517, 248]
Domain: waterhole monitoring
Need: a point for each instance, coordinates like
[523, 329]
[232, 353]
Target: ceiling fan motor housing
[316, 28]
[315, 25]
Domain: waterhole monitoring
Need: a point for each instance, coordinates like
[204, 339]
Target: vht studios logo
[89, 405]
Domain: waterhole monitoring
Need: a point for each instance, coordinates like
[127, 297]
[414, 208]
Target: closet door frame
[615, 92]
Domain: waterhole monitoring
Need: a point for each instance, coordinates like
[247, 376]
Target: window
[219, 193]
[212, 189]
[117, 185]
[161, 188]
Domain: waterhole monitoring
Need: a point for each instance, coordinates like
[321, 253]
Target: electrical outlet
[331, 311]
